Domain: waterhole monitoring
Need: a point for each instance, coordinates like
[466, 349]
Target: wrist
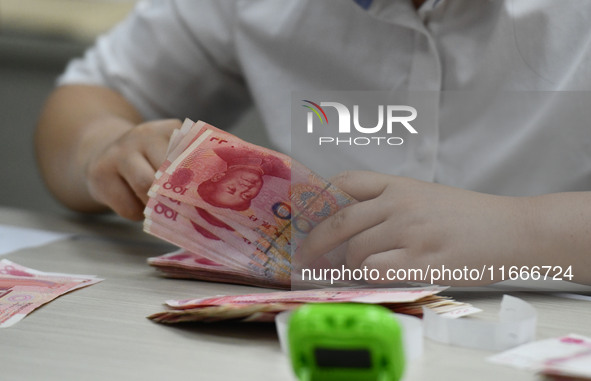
[559, 232]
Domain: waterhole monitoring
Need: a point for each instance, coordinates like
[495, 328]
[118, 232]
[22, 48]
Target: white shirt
[508, 80]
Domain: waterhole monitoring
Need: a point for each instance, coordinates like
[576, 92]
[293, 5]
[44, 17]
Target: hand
[120, 175]
[401, 223]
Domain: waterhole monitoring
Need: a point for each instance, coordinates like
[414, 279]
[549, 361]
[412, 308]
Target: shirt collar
[365, 4]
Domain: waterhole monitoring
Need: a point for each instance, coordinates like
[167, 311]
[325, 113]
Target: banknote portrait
[242, 179]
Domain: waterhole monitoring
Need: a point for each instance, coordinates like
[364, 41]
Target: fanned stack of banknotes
[237, 210]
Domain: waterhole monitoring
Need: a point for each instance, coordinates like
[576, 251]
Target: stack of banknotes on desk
[237, 210]
[262, 307]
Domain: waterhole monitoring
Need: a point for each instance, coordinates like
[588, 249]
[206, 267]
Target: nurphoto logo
[392, 116]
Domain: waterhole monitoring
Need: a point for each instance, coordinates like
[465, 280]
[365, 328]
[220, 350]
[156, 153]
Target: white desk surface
[101, 332]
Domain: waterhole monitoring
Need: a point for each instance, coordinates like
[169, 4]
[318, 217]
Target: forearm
[78, 122]
[560, 232]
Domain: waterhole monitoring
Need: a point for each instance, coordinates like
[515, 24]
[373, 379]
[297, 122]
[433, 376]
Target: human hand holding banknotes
[120, 173]
[402, 223]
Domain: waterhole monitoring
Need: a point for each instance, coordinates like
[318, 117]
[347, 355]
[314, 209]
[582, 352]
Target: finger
[362, 185]
[401, 266]
[388, 264]
[139, 175]
[121, 199]
[377, 239]
[156, 153]
[339, 227]
[157, 148]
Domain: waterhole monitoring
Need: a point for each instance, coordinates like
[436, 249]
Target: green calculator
[345, 342]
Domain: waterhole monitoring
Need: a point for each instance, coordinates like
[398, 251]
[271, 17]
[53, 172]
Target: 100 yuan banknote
[22, 289]
[245, 184]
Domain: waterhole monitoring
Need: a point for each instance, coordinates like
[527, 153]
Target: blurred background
[37, 39]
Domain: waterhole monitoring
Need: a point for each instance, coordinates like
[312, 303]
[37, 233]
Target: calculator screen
[342, 358]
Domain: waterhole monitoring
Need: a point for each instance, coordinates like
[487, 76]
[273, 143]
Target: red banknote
[23, 290]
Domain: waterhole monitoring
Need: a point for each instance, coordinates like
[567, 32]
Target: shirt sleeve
[170, 58]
